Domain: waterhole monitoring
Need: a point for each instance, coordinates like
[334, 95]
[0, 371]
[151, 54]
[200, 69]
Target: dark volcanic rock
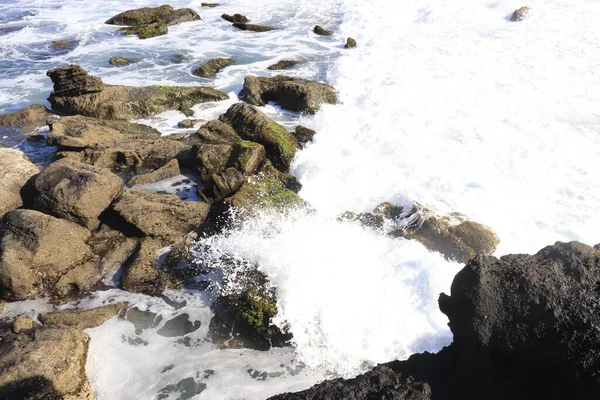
[304, 134]
[180, 16]
[210, 4]
[235, 18]
[321, 31]
[294, 94]
[120, 61]
[212, 67]
[26, 118]
[253, 27]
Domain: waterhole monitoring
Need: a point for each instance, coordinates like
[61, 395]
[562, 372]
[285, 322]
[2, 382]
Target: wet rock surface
[519, 14]
[26, 118]
[212, 67]
[15, 171]
[235, 18]
[81, 319]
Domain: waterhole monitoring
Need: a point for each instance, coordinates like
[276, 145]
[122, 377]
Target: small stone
[350, 43]
[253, 27]
[146, 31]
[235, 18]
[283, 64]
[321, 31]
[212, 67]
[22, 324]
[121, 61]
[520, 14]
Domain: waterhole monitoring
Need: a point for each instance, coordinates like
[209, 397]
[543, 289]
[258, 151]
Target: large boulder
[76, 92]
[15, 171]
[45, 363]
[251, 124]
[146, 31]
[163, 216]
[295, 94]
[26, 118]
[76, 191]
[44, 256]
[140, 16]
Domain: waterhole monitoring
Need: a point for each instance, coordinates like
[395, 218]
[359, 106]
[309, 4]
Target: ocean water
[446, 103]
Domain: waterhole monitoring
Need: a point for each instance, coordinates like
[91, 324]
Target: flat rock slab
[15, 171]
[76, 191]
[81, 319]
[27, 118]
[167, 171]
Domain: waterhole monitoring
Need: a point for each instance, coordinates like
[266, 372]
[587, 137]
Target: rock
[161, 215]
[140, 16]
[81, 319]
[44, 256]
[251, 124]
[303, 134]
[235, 18]
[520, 14]
[350, 43]
[81, 132]
[248, 157]
[227, 182]
[73, 80]
[35, 137]
[23, 324]
[76, 92]
[212, 159]
[283, 64]
[188, 123]
[112, 248]
[180, 16]
[47, 364]
[217, 132]
[295, 94]
[64, 44]
[120, 61]
[389, 211]
[210, 4]
[212, 67]
[321, 31]
[252, 27]
[146, 31]
[76, 191]
[15, 171]
[167, 171]
[26, 118]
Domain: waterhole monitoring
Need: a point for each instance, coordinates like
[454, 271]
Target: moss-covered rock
[235, 18]
[146, 31]
[319, 30]
[295, 94]
[140, 16]
[217, 132]
[251, 124]
[119, 61]
[303, 134]
[26, 118]
[212, 67]
[283, 64]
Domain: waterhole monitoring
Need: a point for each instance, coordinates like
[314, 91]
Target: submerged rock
[520, 14]
[350, 43]
[76, 191]
[212, 67]
[283, 64]
[120, 61]
[252, 27]
[81, 319]
[76, 92]
[15, 171]
[235, 18]
[295, 94]
[180, 16]
[319, 30]
[251, 124]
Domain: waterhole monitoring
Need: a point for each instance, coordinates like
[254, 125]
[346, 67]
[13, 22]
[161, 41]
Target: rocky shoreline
[524, 326]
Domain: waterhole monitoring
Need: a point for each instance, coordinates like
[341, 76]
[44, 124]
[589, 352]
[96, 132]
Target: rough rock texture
[15, 171]
[283, 64]
[146, 31]
[227, 182]
[251, 124]
[44, 364]
[167, 171]
[212, 159]
[252, 27]
[161, 215]
[23, 324]
[248, 157]
[235, 18]
[520, 14]
[26, 118]
[217, 132]
[76, 92]
[525, 327]
[212, 67]
[140, 16]
[319, 30]
[81, 319]
[44, 256]
[350, 43]
[120, 61]
[304, 134]
[295, 94]
[76, 191]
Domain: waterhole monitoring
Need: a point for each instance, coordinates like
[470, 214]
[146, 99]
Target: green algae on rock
[212, 67]
[146, 31]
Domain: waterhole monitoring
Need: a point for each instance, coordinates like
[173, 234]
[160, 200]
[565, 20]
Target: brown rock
[217, 132]
[180, 16]
[27, 118]
[227, 182]
[23, 324]
[321, 31]
[167, 171]
[161, 215]
[140, 16]
[73, 80]
[112, 248]
[520, 14]
[43, 256]
[283, 64]
[304, 134]
[15, 171]
[235, 18]
[210, 4]
[81, 319]
[212, 67]
[146, 31]
[212, 159]
[120, 61]
[188, 123]
[253, 27]
[76, 191]
[248, 157]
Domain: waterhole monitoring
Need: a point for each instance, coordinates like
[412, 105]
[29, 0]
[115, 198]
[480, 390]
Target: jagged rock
[350, 43]
[217, 132]
[227, 182]
[26, 118]
[76, 92]
[81, 319]
[303, 134]
[79, 132]
[120, 61]
[235, 18]
[15, 171]
[44, 256]
[167, 171]
[295, 94]
[321, 31]
[283, 64]
[76, 191]
[23, 324]
[45, 364]
[212, 159]
[161, 215]
[252, 27]
[248, 157]
[146, 31]
[140, 16]
[251, 124]
[212, 67]
[520, 14]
